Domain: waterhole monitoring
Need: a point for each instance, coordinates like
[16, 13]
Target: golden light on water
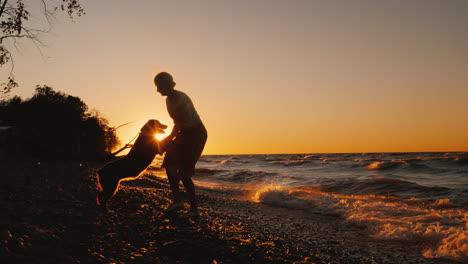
[258, 194]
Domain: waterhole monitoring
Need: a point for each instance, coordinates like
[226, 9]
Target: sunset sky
[271, 76]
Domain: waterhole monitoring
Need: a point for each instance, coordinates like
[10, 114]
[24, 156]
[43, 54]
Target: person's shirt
[182, 111]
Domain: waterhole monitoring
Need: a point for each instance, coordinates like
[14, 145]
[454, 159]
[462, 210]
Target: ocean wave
[230, 159]
[384, 186]
[248, 176]
[207, 171]
[236, 176]
[284, 199]
[461, 160]
[331, 159]
[441, 228]
[426, 168]
[408, 165]
[278, 196]
[289, 162]
[311, 156]
[365, 159]
[385, 165]
[423, 158]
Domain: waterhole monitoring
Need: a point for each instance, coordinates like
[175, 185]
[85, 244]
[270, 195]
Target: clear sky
[298, 76]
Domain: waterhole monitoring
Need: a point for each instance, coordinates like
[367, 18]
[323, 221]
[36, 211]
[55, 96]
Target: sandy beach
[49, 216]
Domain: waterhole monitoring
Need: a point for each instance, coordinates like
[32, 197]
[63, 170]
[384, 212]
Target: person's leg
[186, 176]
[174, 183]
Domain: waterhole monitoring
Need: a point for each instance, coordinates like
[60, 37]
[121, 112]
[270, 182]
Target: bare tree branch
[117, 127]
[13, 26]
[11, 36]
[12, 63]
[48, 15]
[3, 7]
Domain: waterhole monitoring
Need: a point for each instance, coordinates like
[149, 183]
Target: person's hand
[166, 144]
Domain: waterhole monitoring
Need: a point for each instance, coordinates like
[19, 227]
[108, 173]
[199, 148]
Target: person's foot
[173, 207]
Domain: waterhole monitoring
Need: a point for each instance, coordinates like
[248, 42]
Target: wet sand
[49, 215]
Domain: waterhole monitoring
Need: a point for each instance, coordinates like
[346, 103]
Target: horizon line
[363, 152]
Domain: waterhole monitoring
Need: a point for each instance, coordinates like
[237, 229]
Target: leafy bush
[55, 125]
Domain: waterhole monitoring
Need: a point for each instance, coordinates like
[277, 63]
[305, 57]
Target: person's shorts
[186, 149]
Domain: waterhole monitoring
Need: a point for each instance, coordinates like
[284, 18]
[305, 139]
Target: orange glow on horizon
[333, 84]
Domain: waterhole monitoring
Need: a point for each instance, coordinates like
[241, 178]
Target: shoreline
[50, 216]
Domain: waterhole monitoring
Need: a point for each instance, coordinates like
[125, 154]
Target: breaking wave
[439, 226]
[384, 165]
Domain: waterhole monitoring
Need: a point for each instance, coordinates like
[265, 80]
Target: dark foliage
[55, 125]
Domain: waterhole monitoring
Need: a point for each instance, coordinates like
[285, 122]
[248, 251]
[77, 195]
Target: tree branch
[12, 62]
[12, 16]
[3, 7]
[11, 36]
[47, 13]
[117, 127]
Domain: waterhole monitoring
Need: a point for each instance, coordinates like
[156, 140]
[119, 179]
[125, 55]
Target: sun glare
[160, 136]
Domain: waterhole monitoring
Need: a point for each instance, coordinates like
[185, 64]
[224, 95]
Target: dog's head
[153, 127]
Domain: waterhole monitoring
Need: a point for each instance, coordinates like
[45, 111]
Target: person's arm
[174, 131]
[169, 140]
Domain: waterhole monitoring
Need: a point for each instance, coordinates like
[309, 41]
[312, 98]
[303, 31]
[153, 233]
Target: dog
[141, 155]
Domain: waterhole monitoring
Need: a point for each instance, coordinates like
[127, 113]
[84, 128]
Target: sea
[400, 196]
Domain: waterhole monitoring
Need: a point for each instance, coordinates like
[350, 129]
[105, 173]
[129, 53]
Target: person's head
[164, 83]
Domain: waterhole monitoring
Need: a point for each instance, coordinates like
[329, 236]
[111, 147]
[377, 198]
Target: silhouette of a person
[185, 143]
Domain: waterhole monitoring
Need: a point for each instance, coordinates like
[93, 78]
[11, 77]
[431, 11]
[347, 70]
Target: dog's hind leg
[107, 186]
